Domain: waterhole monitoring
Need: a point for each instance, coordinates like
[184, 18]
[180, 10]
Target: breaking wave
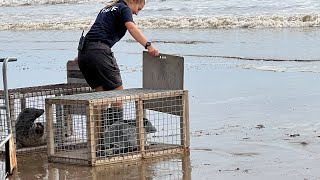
[232, 22]
[9, 3]
[12, 3]
[204, 22]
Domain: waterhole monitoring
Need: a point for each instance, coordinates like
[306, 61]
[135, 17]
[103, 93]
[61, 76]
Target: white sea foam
[60, 25]
[177, 22]
[9, 3]
[284, 68]
[78, 14]
[232, 22]
[12, 3]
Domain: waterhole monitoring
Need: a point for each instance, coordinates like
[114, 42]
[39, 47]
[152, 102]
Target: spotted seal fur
[29, 133]
[121, 137]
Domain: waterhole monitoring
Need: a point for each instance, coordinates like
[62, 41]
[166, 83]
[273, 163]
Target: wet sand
[246, 123]
[260, 125]
[243, 126]
[173, 167]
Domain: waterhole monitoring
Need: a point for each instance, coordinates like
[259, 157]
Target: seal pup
[121, 137]
[29, 133]
[148, 127]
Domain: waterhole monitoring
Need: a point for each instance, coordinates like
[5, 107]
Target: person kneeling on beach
[96, 60]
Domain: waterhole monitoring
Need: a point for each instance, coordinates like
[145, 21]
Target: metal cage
[8, 161]
[152, 123]
[21, 99]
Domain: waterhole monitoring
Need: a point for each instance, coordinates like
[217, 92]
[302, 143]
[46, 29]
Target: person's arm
[139, 37]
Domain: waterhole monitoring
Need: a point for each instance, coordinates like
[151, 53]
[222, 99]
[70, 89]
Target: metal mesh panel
[69, 143]
[3, 123]
[32, 133]
[2, 167]
[118, 126]
[3, 134]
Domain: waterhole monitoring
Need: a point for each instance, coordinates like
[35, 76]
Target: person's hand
[153, 51]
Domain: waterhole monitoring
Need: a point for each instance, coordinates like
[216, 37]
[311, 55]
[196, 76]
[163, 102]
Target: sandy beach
[249, 119]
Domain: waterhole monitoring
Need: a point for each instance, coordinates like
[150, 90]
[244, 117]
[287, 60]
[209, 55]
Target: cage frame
[95, 105]
[23, 93]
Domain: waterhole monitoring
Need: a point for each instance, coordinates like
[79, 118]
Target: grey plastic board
[163, 72]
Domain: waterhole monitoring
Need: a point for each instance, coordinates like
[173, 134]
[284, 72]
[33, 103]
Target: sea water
[77, 14]
[247, 63]
[43, 34]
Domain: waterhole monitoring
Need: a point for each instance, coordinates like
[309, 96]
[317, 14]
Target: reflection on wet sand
[170, 167]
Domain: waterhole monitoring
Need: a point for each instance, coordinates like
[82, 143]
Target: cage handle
[6, 91]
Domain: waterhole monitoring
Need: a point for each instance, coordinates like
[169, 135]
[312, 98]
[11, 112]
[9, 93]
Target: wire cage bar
[117, 126]
[30, 136]
[4, 128]
[8, 160]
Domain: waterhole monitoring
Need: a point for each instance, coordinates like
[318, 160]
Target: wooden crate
[167, 110]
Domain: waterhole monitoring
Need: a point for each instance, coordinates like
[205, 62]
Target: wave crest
[232, 22]
[10, 3]
[46, 26]
[181, 22]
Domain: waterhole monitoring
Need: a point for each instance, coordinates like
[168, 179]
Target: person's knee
[119, 88]
[99, 88]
